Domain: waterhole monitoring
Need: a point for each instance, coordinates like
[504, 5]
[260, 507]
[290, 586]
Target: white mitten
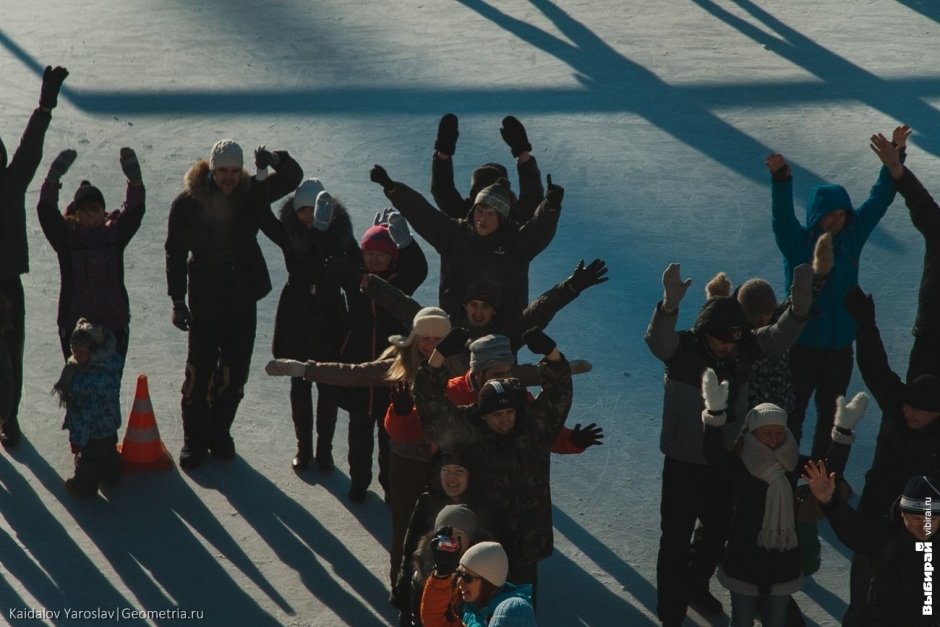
[715, 395]
[848, 414]
[323, 211]
[286, 368]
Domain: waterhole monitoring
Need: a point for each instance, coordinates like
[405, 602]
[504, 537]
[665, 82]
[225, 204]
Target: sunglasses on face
[466, 577]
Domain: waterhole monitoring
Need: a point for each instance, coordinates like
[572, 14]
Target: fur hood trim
[196, 182]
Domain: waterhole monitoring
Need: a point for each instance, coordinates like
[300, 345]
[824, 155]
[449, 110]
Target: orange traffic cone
[142, 448]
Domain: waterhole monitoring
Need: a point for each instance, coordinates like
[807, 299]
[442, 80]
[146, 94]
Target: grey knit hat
[489, 350]
[458, 517]
[306, 194]
[756, 297]
[496, 197]
[488, 560]
[226, 153]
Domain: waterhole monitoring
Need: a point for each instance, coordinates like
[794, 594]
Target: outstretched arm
[788, 232]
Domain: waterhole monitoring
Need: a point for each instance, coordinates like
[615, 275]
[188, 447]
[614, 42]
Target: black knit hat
[497, 394]
[919, 495]
[488, 291]
[87, 193]
[923, 393]
[722, 318]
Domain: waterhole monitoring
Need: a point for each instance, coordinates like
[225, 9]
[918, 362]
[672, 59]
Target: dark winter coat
[686, 357]
[311, 314]
[502, 256]
[900, 452]
[15, 177]
[925, 215]
[211, 244]
[833, 327]
[91, 260]
[370, 326]
[516, 475]
[452, 203]
[896, 593]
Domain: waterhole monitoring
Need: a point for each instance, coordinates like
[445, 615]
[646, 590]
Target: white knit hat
[488, 560]
[226, 154]
[763, 415]
[306, 194]
[428, 322]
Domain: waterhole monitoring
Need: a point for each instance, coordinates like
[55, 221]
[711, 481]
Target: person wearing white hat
[213, 258]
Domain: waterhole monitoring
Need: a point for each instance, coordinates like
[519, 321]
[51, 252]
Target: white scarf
[777, 529]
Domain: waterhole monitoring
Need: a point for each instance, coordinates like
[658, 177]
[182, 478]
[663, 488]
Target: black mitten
[514, 134]
[447, 135]
[51, 84]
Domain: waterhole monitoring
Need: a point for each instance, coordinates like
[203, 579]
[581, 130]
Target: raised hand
[900, 135]
[378, 175]
[61, 164]
[860, 306]
[130, 165]
[554, 195]
[403, 401]
[889, 154]
[52, 79]
[398, 229]
[447, 134]
[848, 414]
[538, 342]
[583, 278]
[714, 393]
[323, 211]
[777, 166]
[801, 291]
[264, 158]
[513, 133]
[822, 255]
[674, 288]
[590, 435]
[446, 550]
[820, 484]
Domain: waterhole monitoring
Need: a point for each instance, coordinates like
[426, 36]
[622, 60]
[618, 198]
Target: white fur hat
[488, 560]
[428, 322]
[226, 154]
[306, 194]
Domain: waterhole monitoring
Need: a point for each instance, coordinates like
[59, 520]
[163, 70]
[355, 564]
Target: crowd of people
[463, 448]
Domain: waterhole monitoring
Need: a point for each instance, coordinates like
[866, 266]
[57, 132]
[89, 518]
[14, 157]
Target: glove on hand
[715, 395]
[447, 134]
[538, 342]
[264, 158]
[398, 229]
[323, 211]
[848, 414]
[801, 292]
[590, 435]
[674, 288]
[378, 175]
[381, 217]
[403, 401]
[181, 316]
[822, 255]
[860, 307]
[583, 278]
[286, 368]
[554, 195]
[446, 549]
[61, 164]
[347, 272]
[454, 342]
[514, 135]
[130, 165]
[51, 84]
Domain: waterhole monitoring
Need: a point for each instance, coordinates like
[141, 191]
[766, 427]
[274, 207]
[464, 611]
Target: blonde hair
[405, 366]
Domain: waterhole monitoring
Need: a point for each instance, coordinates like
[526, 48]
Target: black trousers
[217, 364]
[301, 405]
[827, 373]
[690, 492]
[95, 463]
[13, 290]
[362, 446]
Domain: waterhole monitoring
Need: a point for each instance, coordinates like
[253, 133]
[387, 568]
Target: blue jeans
[745, 608]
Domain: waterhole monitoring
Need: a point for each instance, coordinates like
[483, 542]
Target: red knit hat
[378, 239]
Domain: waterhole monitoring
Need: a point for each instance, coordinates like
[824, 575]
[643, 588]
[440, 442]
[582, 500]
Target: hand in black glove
[130, 165]
[51, 83]
[447, 134]
[860, 307]
[537, 341]
[446, 549]
[513, 133]
[583, 278]
[181, 316]
[264, 158]
[454, 342]
[403, 402]
[378, 175]
[61, 164]
[554, 195]
[347, 272]
[590, 435]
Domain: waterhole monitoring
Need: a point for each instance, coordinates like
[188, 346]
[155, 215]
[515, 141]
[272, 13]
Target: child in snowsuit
[90, 245]
[90, 390]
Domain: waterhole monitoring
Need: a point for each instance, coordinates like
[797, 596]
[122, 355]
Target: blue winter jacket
[94, 407]
[510, 605]
[831, 327]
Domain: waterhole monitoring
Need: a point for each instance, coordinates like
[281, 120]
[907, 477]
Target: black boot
[10, 434]
[326, 426]
[301, 410]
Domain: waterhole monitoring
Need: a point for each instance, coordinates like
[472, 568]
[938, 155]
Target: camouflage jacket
[517, 468]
